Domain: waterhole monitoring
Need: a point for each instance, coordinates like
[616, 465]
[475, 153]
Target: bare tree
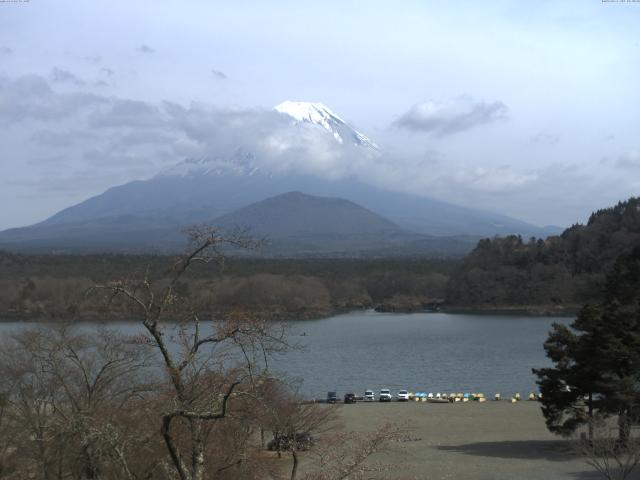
[207, 365]
[349, 455]
[603, 450]
[65, 394]
[7, 450]
[293, 422]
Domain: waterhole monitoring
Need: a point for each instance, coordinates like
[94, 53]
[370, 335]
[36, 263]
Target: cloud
[121, 139]
[4, 50]
[218, 74]
[92, 58]
[126, 113]
[454, 116]
[545, 138]
[629, 160]
[146, 49]
[118, 133]
[31, 97]
[107, 72]
[63, 76]
[497, 179]
[64, 138]
[51, 138]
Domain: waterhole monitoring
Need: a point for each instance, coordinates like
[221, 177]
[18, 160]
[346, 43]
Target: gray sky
[529, 108]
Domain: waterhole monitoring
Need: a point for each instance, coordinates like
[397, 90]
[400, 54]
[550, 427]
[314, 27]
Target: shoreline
[530, 311]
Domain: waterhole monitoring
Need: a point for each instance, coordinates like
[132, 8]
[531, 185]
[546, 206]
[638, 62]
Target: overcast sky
[527, 107]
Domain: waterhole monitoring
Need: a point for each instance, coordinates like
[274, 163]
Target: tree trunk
[89, 468]
[44, 469]
[294, 468]
[590, 413]
[624, 428]
[197, 449]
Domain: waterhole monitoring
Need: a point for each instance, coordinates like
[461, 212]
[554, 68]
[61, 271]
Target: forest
[53, 286]
[558, 273]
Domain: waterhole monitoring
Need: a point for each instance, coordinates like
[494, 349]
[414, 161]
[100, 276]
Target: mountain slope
[292, 224]
[202, 195]
[297, 224]
[295, 214]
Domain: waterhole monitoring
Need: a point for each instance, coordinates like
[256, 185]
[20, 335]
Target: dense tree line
[52, 286]
[558, 272]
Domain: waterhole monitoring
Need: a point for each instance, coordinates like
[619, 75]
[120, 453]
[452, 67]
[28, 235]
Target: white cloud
[30, 97]
[629, 159]
[498, 179]
[453, 116]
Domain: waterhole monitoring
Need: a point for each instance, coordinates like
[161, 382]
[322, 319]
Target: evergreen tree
[597, 360]
[569, 389]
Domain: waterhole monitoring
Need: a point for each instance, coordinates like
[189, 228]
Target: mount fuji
[150, 214]
[319, 114]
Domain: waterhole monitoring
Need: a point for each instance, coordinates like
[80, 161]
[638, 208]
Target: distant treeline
[543, 276]
[55, 286]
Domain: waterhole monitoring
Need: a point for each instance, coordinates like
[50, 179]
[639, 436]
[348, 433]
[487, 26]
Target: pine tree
[597, 359]
[568, 389]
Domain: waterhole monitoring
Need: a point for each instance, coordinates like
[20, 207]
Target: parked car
[303, 441]
[369, 396]
[349, 398]
[385, 395]
[403, 396]
[332, 397]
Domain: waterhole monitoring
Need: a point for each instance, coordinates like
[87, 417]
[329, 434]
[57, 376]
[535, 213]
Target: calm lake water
[432, 352]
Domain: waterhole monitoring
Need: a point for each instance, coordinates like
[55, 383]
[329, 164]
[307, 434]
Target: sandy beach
[483, 441]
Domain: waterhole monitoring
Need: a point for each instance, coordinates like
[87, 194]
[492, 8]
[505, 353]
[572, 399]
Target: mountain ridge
[296, 213]
[293, 224]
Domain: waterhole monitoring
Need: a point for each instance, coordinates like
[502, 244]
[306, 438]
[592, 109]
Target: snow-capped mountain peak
[313, 112]
[243, 161]
[319, 114]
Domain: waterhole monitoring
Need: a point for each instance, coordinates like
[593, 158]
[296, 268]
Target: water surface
[432, 352]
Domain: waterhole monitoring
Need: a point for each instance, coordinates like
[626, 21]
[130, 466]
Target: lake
[432, 352]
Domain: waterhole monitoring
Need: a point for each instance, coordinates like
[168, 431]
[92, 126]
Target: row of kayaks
[464, 397]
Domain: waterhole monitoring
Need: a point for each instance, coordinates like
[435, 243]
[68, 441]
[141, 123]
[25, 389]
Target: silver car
[385, 395]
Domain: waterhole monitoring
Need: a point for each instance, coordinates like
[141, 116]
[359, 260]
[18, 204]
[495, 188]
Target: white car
[403, 396]
[369, 396]
[385, 395]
